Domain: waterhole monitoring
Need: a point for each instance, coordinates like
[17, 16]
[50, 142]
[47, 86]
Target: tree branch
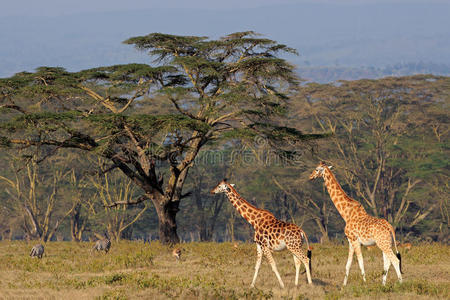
[137, 201]
[103, 101]
[184, 112]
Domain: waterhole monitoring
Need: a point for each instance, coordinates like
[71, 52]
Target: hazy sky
[81, 34]
[64, 7]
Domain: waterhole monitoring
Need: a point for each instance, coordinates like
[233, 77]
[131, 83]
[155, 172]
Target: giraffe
[270, 234]
[360, 228]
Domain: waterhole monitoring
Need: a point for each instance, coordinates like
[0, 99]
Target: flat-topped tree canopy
[195, 91]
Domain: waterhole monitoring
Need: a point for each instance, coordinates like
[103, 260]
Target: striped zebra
[102, 245]
[37, 251]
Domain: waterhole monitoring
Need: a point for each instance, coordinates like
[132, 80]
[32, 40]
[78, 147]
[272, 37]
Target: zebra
[102, 245]
[37, 251]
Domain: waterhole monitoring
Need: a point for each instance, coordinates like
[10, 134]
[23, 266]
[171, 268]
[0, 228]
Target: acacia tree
[379, 127]
[152, 121]
[113, 191]
[77, 193]
[207, 207]
[314, 207]
[33, 195]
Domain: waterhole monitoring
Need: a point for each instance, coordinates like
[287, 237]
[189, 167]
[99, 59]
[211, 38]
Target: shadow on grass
[319, 282]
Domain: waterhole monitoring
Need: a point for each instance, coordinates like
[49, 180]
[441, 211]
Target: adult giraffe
[270, 234]
[360, 227]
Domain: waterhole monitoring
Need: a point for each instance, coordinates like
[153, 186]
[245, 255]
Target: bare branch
[104, 101]
[184, 112]
[137, 201]
[224, 117]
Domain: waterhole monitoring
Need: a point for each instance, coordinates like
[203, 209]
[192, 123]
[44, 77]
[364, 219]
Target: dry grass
[210, 271]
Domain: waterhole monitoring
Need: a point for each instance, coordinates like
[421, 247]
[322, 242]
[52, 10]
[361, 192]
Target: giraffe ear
[232, 184]
[329, 167]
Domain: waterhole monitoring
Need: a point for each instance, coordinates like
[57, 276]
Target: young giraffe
[360, 227]
[270, 234]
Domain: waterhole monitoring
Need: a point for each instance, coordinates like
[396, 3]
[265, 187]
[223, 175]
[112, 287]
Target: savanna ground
[211, 271]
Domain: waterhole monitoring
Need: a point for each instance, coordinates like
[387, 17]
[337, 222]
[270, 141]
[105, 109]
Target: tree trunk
[206, 225]
[167, 212]
[323, 230]
[202, 222]
[77, 224]
[35, 231]
[203, 230]
[126, 233]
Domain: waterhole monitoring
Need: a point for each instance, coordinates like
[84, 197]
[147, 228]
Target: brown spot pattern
[270, 232]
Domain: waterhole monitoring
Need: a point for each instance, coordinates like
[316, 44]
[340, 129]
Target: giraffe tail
[308, 253]
[396, 250]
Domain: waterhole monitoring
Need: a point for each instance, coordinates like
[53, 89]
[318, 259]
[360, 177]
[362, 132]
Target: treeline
[327, 74]
[133, 150]
[389, 148]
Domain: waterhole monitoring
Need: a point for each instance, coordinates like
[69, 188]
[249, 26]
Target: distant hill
[326, 74]
[349, 38]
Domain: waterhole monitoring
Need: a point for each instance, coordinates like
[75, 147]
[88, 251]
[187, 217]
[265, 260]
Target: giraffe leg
[395, 262]
[357, 247]
[349, 261]
[259, 254]
[300, 257]
[305, 261]
[269, 257]
[297, 268]
[386, 246]
[387, 264]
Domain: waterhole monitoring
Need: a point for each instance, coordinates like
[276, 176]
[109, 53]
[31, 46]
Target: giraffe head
[319, 171]
[222, 187]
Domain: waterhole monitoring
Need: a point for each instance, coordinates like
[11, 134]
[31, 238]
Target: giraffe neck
[344, 204]
[249, 212]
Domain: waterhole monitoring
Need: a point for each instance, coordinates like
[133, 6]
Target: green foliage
[237, 96]
[388, 144]
[128, 73]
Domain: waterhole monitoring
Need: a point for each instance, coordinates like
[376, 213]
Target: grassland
[134, 270]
